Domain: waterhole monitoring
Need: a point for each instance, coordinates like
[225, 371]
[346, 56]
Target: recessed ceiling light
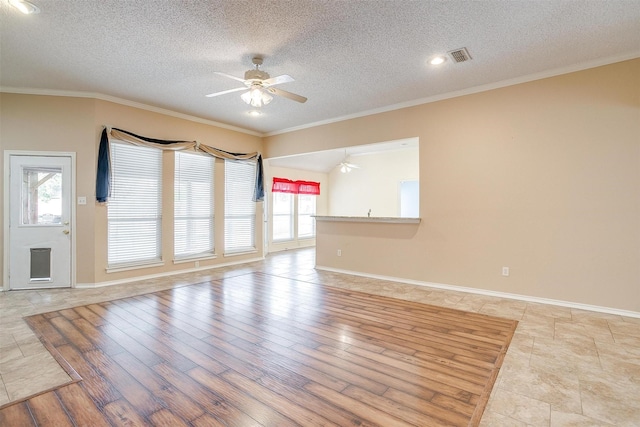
[254, 113]
[437, 60]
[25, 7]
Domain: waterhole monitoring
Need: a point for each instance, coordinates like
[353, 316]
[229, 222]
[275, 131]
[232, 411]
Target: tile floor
[565, 367]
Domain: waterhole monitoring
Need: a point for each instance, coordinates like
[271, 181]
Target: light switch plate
[82, 200]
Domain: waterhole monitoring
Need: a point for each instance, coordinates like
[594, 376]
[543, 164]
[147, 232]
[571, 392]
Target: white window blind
[282, 212]
[306, 210]
[134, 210]
[193, 226]
[239, 207]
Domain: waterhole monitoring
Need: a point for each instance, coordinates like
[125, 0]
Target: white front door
[40, 221]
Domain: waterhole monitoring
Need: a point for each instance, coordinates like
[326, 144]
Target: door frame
[7, 209]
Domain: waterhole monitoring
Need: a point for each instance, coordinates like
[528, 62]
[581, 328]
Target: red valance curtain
[283, 185]
[308, 187]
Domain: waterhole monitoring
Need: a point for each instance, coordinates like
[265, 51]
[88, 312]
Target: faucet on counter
[369, 213]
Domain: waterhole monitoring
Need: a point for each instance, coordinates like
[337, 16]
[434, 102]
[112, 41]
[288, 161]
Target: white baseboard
[507, 295]
[165, 274]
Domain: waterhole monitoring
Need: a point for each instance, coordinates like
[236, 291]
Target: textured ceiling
[348, 57]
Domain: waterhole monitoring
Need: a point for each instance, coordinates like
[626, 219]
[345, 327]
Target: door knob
[65, 231]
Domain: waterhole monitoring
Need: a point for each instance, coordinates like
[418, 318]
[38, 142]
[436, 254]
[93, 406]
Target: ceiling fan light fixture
[256, 97]
[25, 7]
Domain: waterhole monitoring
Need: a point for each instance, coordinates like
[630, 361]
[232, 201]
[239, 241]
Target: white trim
[121, 101]
[128, 267]
[519, 297]
[469, 91]
[165, 274]
[6, 245]
[194, 258]
[240, 252]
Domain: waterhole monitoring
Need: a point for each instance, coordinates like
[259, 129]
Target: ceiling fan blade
[224, 92]
[351, 165]
[285, 94]
[229, 76]
[278, 80]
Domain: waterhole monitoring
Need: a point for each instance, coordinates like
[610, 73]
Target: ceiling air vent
[460, 55]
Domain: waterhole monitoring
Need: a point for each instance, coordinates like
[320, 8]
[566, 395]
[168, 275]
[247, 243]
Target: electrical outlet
[339, 253]
[505, 271]
[197, 264]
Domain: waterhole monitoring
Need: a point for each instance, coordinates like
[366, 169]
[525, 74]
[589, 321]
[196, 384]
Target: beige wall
[321, 201]
[542, 177]
[50, 123]
[374, 185]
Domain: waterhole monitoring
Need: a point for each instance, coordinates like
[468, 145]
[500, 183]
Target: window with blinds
[193, 227]
[134, 210]
[306, 210]
[239, 207]
[282, 216]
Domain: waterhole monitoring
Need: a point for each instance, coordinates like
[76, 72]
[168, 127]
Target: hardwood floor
[259, 349]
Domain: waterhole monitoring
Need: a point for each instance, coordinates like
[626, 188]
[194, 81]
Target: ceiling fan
[346, 167]
[259, 86]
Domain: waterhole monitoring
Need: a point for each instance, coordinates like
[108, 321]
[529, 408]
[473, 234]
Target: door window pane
[41, 196]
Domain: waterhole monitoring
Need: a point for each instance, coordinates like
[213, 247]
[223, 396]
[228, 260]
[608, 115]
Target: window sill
[194, 258]
[118, 269]
[283, 240]
[248, 251]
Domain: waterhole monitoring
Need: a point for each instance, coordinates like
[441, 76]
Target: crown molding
[121, 101]
[469, 91]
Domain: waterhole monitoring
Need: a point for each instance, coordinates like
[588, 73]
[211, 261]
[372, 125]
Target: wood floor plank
[121, 413]
[132, 391]
[169, 396]
[207, 398]
[360, 409]
[164, 418]
[17, 414]
[256, 349]
[262, 394]
[48, 411]
[402, 411]
[80, 407]
[260, 412]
